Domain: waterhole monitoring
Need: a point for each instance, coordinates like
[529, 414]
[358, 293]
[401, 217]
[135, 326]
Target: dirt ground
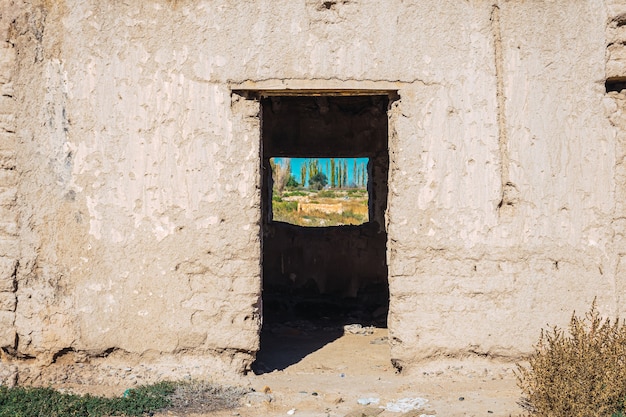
[326, 373]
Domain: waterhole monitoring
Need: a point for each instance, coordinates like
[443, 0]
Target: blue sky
[296, 165]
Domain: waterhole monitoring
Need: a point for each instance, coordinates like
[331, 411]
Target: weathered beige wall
[503, 185]
[137, 208]
[138, 192]
[9, 214]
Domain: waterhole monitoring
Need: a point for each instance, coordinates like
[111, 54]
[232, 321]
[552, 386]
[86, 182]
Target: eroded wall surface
[510, 164]
[138, 195]
[9, 212]
[130, 171]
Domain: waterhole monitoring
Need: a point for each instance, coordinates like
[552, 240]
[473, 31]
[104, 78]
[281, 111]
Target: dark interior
[317, 279]
[616, 84]
[325, 277]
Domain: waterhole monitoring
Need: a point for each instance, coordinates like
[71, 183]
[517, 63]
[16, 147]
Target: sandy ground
[325, 373]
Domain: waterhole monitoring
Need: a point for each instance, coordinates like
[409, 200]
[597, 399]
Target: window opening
[320, 192]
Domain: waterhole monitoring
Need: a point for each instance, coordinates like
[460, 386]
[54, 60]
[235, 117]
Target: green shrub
[294, 194]
[356, 191]
[283, 207]
[35, 402]
[326, 194]
[180, 397]
[581, 373]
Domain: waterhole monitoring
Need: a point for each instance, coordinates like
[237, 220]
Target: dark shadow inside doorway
[316, 280]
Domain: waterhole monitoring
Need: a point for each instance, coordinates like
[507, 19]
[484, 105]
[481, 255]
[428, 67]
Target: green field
[321, 208]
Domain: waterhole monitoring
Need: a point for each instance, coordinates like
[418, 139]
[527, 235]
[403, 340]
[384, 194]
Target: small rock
[358, 329]
[352, 328]
[461, 398]
[406, 404]
[368, 401]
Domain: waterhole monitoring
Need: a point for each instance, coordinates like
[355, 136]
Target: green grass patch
[284, 207]
[354, 208]
[356, 192]
[36, 402]
[326, 194]
[192, 396]
[319, 219]
[295, 194]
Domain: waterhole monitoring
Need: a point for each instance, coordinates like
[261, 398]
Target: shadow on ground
[295, 326]
[286, 345]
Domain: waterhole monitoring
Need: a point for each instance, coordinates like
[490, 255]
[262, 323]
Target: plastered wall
[9, 243]
[130, 183]
[510, 169]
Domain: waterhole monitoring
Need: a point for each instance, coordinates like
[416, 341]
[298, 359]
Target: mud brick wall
[130, 172]
[510, 221]
[9, 214]
[615, 107]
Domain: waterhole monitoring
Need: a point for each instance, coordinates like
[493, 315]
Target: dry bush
[204, 396]
[281, 174]
[581, 373]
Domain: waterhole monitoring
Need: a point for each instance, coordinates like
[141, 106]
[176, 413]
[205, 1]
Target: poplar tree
[312, 167]
[327, 169]
[363, 175]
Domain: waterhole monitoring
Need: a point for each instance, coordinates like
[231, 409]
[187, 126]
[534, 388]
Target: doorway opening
[320, 277]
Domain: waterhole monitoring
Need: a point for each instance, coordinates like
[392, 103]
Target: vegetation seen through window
[319, 192]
